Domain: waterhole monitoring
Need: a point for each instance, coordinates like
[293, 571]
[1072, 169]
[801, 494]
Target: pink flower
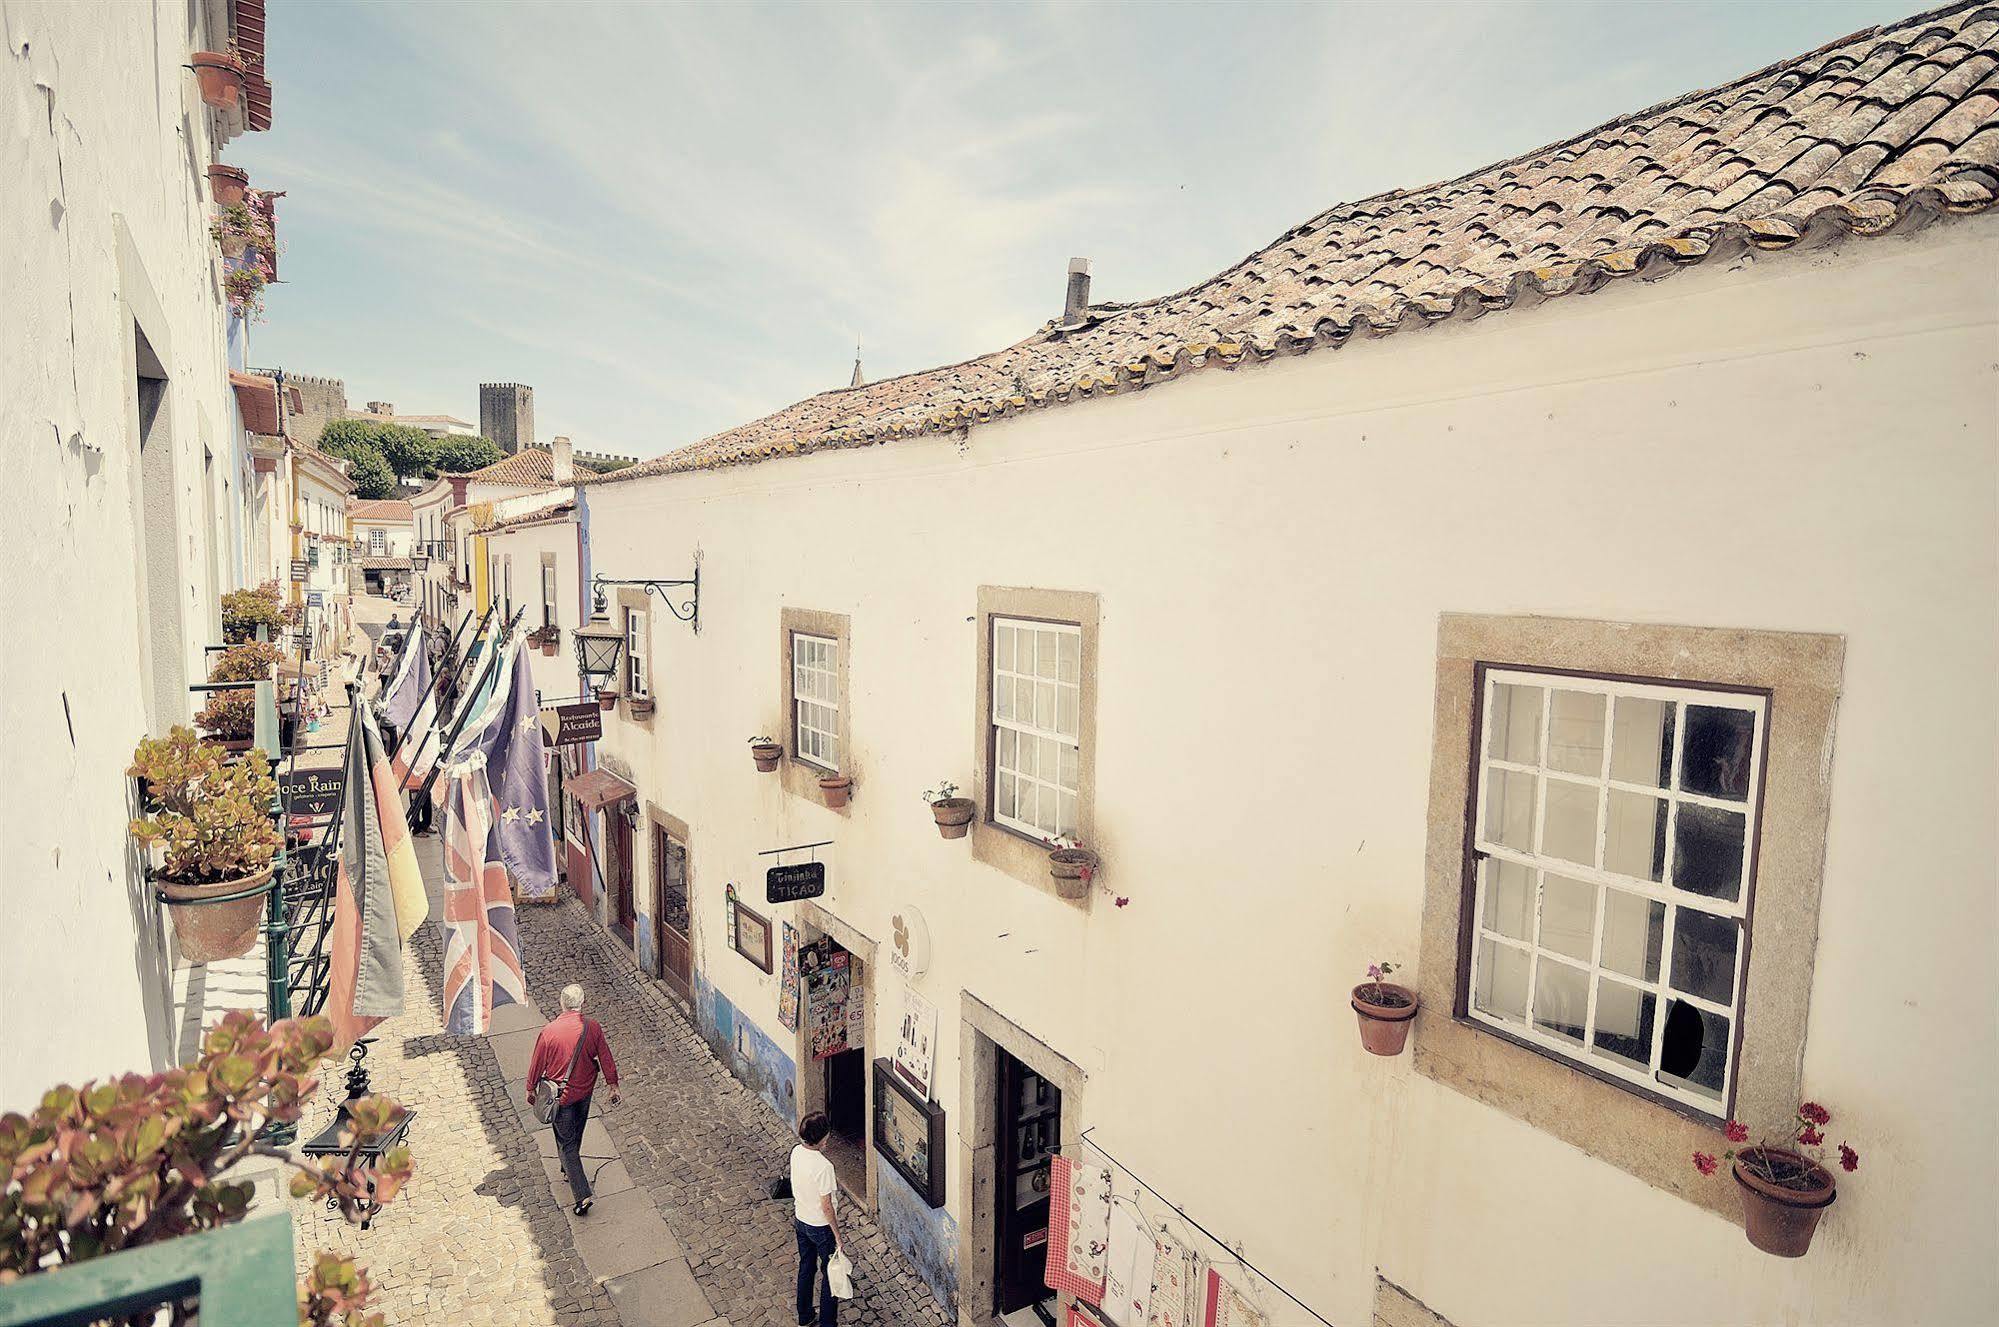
[1738, 1132]
[1810, 1136]
[1121, 900]
[1813, 1113]
[1374, 972]
[1849, 1159]
[1705, 1163]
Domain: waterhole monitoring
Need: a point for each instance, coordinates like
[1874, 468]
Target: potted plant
[213, 827]
[766, 753]
[1384, 1010]
[607, 699]
[243, 611]
[244, 287]
[835, 789]
[220, 75]
[641, 707]
[1072, 866]
[1785, 1188]
[229, 719]
[952, 813]
[228, 185]
[237, 228]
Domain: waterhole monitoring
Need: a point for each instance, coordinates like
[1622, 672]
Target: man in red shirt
[553, 1051]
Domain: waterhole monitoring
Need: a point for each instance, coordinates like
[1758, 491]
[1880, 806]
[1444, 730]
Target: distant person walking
[813, 1192]
[568, 1053]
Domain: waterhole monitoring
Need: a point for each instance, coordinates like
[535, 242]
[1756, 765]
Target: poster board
[916, 1043]
[909, 1133]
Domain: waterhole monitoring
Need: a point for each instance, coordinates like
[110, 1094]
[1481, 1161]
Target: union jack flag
[482, 953]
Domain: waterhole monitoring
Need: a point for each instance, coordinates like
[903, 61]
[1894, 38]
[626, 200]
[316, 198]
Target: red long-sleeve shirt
[557, 1043]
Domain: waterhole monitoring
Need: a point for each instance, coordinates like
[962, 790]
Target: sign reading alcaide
[567, 725]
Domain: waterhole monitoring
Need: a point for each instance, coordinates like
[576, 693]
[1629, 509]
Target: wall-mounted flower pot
[1783, 1197]
[640, 706]
[233, 244]
[1072, 870]
[953, 816]
[607, 701]
[1385, 1011]
[550, 649]
[221, 78]
[836, 789]
[766, 754]
[209, 932]
[227, 185]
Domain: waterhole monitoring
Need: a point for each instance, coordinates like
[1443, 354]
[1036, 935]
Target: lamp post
[328, 1142]
[598, 644]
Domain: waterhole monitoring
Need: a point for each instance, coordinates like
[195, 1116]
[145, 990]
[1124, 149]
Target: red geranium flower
[1814, 1113]
[1705, 1163]
[1738, 1132]
[1848, 1158]
[1810, 1136]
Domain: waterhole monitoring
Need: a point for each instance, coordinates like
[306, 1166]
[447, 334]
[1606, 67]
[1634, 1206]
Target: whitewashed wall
[1803, 443]
[103, 221]
[554, 678]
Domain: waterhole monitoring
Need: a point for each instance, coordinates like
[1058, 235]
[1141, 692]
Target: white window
[635, 652]
[1615, 833]
[815, 699]
[549, 617]
[1036, 703]
[378, 541]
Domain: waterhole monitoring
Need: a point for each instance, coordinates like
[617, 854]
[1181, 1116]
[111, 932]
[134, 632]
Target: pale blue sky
[670, 220]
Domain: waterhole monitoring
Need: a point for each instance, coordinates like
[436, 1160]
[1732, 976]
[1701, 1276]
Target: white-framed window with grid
[1037, 693]
[815, 700]
[1615, 835]
[549, 616]
[637, 678]
[378, 542]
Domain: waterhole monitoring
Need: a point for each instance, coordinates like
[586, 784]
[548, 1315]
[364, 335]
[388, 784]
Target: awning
[599, 788]
[256, 401]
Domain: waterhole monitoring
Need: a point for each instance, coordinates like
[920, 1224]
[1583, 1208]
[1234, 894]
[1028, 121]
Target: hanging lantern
[597, 646]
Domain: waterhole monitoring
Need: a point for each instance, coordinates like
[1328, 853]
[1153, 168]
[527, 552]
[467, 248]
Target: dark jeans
[569, 1122]
[815, 1246]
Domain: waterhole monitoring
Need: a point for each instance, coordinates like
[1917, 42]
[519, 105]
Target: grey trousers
[569, 1122]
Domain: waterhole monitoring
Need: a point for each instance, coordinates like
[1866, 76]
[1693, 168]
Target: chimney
[1076, 307]
[564, 468]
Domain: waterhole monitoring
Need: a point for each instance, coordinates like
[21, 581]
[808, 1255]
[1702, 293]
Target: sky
[670, 220]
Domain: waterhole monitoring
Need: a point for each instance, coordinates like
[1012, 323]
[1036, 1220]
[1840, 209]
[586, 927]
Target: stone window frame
[801, 777]
[1009, 850]
[1800, 673]
[632, 601]
[551, 593]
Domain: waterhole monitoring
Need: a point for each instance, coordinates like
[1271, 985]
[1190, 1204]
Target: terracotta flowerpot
[209, 932]
[607, 701]
[549, 649]
[234, 745]
[766, 754]
[1384, 1028]
[836, 788]
[220, 76]
[953, 816]
[641, 707]
[227, 185]
[233, 244]
[1780, 1217]
[1073, 869]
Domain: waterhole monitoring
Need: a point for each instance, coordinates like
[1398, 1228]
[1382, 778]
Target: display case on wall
[909, 1132]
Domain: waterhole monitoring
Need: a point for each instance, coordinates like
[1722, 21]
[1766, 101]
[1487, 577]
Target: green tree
[602, 467]
[409, 452]
[341, 435]
[458, 454]
[371, 474]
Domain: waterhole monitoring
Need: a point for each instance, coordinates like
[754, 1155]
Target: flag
[399, 701]
[482, 958]
[509, 736]
[365, 966]
[398, 852]
[412, 707]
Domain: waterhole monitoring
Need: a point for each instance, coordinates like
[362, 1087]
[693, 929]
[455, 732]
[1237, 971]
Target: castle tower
[506, 415]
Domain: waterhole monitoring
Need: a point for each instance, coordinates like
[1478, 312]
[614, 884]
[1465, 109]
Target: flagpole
[464, 710]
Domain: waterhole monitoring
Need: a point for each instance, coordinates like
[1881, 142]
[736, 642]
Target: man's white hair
[572, 996]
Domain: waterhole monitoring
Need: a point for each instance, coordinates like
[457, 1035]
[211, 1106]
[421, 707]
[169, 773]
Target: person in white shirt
[813, 1189]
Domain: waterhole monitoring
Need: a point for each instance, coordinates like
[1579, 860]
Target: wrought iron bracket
[689, 591]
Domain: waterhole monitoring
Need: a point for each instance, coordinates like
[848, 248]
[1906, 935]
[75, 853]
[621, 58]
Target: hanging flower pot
[640, 706]
[211, 820]
[952, 813]
[221, 78]
[607, 701]
[1385, 1011]
[228, 184]
[835, 789]
[1073, 868]
[218, 921]
[766, 753]
[1783, 1197]
[549, 648]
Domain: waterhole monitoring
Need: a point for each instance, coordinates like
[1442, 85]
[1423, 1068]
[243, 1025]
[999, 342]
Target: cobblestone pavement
[702, 1146]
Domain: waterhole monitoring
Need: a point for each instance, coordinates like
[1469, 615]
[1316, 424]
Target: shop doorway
[1030, 1132]
[618, 873]
[676, 951]
[835, 1031]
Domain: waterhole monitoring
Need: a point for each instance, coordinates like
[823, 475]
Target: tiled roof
[382, 562]
[1885, 130]
[539, 516]
[530, 467]
[378, 509]
[256, 402]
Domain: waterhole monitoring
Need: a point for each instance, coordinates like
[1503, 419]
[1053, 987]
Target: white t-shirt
[811, 1179]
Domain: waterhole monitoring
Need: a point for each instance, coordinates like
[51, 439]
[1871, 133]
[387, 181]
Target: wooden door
[1030, 1118]
[676, 953]
[619, 833]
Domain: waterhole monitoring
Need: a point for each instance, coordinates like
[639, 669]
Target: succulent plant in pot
[1073, 867]
[952, 813]
[243, 611]
[229, 719]
[1785, 1187]
[766, 752]
[212, 827]
[1384, 1009]
[835, 788]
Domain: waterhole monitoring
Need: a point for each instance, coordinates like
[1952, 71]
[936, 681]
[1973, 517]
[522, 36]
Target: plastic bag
[840, 1274]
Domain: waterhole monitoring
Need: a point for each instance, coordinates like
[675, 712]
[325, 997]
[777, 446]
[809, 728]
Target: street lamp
[328, 1143]
[419, 562]
[597, 646]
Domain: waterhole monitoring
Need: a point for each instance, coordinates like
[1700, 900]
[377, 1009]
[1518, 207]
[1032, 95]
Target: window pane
[1634, 932]
[1624, 1023]
[1069, 767]
[1065, 711]
[1023, 699]
[1072, 658]
[1044, 655]
[1514, 724]
[1575, 732]
[1028, 746]
[1003, 648]
[1068, 825]
[1044, 705]
[1003, 698]
[1007, 741]
[1693, 1049]
[1509, 808]
[1568, 829]
[1003, 801]
[1502, 981]
[1509, 895]
[1707, 851]
[1719, 743]
[1634, 841]
[1561, 999]
[1568, 915]
[1641, 745]
[1704, 955]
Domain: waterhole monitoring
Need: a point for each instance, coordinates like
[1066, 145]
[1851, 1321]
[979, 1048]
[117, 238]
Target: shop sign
[298, 569]
[916, 1042]
[311, 792]
[789, 884]
[909, 943]
[569, 725]
[909, 1133]
[315, 598]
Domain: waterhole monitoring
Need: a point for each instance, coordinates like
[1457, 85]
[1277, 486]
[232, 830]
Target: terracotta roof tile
[530, 467]
[378, 509]
[1897, 124]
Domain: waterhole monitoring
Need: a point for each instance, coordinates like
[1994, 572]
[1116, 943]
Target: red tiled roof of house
[378, 509]
[1884, 130]
[530, 467]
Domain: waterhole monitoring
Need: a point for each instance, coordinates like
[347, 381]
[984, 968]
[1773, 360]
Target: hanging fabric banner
[1226, 1306]
[1127, 1268]
[787, 991]
[1079, 1221]
[1173, 1284]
